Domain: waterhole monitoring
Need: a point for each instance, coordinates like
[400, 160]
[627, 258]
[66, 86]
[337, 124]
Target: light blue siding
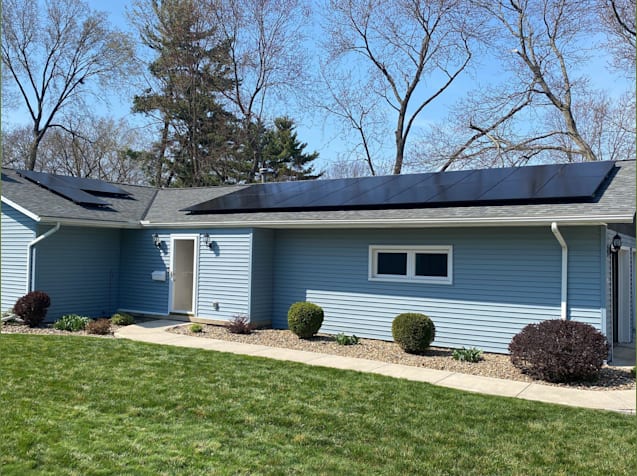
[17, 231]
[261, 276]
[503, 279]
[79, 268]
[224, 275]
[223, 272]
[138, 259]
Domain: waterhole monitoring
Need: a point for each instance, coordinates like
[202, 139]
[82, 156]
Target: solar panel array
[79, 190]
[532, 184]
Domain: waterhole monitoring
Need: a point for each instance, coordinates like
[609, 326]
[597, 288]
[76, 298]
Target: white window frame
[411, 252]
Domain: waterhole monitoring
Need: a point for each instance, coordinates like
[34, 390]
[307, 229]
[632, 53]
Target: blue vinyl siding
[18, 231]
[224, 275]
[503, 279]
[79, 268]
[223, 272]
[138, 259]
[261, 276]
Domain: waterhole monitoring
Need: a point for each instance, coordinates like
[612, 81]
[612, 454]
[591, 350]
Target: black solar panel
[74, 188]
[541, 183]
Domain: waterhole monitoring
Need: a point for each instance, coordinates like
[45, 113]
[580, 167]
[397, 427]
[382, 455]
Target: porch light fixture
[156, 240]
[616, 244]
[208, 240]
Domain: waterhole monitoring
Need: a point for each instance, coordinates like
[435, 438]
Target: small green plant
[71, 322]
[342, 339]
[122, 319]
[305, 319]
[32, 308]
[239, 324]
[467, 355]
[413, 332]
[100, 327]
[633, 371]
[196, 328]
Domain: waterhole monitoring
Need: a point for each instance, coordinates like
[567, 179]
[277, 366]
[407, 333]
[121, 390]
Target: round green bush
[305, 319]
[122, 319]
[559, 351]
[71, 322]
[413, 332]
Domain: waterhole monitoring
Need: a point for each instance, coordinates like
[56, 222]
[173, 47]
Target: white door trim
[195, 268]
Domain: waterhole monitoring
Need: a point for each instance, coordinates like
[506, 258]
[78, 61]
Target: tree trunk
[33, 149]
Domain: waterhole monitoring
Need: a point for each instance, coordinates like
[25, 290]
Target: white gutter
[30, 268]
[560, 238]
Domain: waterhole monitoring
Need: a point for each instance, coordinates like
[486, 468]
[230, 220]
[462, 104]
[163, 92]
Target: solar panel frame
[60, 187]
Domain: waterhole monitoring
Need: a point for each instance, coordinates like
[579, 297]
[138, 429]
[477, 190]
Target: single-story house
[482, 252]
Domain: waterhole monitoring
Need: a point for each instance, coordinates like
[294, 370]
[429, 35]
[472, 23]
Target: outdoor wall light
[616, 244]
[208, 240]
[156, 240]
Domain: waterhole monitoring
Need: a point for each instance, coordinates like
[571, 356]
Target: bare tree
[411, 51]
[545, 110]
[618, 20]
[268, 63]
[98, 148]
[58, 53]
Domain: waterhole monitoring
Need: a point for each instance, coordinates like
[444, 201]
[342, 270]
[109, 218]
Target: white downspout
[560, 238]
[30, 268]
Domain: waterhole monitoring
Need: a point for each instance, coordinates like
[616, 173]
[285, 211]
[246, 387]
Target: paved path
[616, 400]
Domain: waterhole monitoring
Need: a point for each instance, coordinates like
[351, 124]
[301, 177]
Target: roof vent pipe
[560, 239]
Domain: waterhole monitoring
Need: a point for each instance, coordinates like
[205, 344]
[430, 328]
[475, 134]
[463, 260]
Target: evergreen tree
[191, 73]
[283, 153]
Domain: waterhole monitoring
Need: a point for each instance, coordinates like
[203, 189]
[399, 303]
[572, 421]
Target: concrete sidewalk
[615, 400]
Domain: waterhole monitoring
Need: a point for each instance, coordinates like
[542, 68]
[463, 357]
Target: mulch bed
[492, 365]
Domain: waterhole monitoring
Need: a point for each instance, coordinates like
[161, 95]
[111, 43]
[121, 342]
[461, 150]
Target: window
[427, 264]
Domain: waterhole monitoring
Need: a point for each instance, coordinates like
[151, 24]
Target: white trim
[21, 209]
[195, 271]
[398, 222]
[564, 286]
[31, 267]
[411, 252]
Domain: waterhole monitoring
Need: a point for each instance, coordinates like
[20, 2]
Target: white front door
[183, 270]
[624, 298]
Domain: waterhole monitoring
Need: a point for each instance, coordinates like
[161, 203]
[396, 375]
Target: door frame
[195, 273]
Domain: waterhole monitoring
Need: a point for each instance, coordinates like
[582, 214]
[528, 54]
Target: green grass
[78, 405]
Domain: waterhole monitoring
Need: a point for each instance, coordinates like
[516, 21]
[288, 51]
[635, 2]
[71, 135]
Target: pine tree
[283, 153]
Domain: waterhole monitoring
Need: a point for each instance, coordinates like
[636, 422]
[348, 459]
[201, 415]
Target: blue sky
[322, 134]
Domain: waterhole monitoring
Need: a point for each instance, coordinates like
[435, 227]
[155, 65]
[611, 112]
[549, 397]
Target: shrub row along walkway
[615, 400]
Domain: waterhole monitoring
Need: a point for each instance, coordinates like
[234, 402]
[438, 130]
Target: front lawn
[78, 405]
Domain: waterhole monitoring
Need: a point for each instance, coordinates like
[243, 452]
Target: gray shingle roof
[163, 208]
[52, 207]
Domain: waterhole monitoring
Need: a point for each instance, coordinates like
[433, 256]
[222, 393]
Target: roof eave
[20, 208]
[400, 222]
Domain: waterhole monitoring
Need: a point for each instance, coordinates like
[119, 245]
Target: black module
[531, 184]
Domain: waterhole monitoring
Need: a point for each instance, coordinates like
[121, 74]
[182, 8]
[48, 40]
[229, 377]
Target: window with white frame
[428, 264]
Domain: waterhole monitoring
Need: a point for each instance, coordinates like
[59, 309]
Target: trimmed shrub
[239, 324]
[122, 319]
[196, 328]
[467, 355]
[305, 319]
[99, 327]
[71, 322]
[559, 351]
[342, 339]
[32, 307]
[413, 332]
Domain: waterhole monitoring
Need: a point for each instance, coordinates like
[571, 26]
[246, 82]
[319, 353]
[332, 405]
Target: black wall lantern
[616, 244]
[208, 240]
[156, 240]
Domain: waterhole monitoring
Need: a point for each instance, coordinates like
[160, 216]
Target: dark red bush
[99, 327]
[32, 307]
[239, 324]
[559, 351]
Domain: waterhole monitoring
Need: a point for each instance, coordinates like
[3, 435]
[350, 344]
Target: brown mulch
[492, 365]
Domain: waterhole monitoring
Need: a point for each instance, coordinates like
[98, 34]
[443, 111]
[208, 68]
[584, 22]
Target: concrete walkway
[615, 400]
